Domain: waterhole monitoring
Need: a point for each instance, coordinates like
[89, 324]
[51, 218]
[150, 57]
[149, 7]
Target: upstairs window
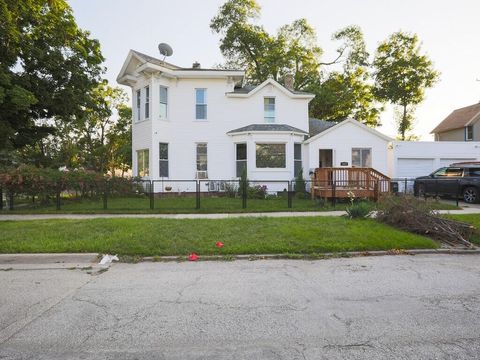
[201, 104]
[241, 159]
[163, 159]
[142, 163]
[163, 102]
[469, 133]
[297, 159]
[139, 106]
[269, 109]
[361, 157]
[147, 102]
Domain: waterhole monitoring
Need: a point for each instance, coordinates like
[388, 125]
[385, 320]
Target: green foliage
[45, 183]
[48, 67]
[292, 50]
[402, 74]
[347, 94]
[257, 192]
[243, 183]
[300, 185]
[358, 210]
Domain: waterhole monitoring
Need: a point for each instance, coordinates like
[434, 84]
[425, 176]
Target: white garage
[410, 159]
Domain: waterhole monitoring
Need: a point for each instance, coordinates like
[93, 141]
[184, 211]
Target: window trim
[160, 160]
[148, 164]
[196, 158]
[243, 160]
[147, 102]
[139, 105]
[271, 168]
[361, 149]
[466, 132]
[274, 110]
[161, 103]
[295, 174]
[203, 104]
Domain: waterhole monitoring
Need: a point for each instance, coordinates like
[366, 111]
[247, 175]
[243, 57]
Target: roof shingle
[267, 127]
[458, 118]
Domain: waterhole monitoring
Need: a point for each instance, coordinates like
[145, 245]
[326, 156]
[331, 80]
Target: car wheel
[470, 195]
[421, 190]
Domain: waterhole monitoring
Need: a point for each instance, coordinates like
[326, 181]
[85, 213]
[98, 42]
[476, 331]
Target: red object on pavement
[193, 257]
[219, 244]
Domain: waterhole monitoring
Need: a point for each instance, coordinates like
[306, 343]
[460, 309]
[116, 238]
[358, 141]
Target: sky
[448, 29]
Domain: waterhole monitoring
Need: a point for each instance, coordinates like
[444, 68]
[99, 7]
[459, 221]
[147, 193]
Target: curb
[319, 256]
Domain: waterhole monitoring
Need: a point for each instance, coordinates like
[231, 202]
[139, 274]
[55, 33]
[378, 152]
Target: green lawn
[473, 219]
[187, 205]
[180, 237]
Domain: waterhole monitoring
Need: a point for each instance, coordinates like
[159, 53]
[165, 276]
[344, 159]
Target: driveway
[390, 307]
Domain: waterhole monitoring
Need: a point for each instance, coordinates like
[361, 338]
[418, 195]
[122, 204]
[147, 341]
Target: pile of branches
[411, 214]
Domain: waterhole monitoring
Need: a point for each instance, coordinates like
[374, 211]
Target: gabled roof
[267, 128]
[349, 121]
[316, 126]
[459, 118]
[250, 90]
[138, 62]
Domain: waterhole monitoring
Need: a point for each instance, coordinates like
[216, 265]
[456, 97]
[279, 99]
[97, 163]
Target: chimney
[288, 82]
[196, 65]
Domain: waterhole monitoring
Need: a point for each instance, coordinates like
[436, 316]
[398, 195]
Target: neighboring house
[461, 125]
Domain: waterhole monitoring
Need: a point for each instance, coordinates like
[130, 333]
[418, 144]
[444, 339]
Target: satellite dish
[165, 50]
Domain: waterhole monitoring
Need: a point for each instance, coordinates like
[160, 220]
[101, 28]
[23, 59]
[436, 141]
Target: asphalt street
[389, 307]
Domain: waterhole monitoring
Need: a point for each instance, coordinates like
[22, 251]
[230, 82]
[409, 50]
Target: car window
[440, 172]
[474, 172]
[454, 172]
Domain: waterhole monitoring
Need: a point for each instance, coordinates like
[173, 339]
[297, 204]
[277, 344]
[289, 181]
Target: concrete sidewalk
[17, 217]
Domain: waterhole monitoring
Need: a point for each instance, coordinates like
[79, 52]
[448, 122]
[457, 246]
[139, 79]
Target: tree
[343, 95]
[292, 50]
[48, 67]
[347, 93]
[402, 74]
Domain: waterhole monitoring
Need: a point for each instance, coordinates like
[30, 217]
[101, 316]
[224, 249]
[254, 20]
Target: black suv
[457, 180]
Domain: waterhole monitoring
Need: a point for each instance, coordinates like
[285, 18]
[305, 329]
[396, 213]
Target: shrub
[300, 186]
[358, 210]
[257, 192]
[231, 190]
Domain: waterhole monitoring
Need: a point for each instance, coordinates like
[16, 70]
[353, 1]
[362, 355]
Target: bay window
[270, 156]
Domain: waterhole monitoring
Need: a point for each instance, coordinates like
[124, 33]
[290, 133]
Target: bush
[358, 210]
[257, 192]
[300, 186]
[231, 190]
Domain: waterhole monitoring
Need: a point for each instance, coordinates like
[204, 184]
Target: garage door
[411, 168]
[447, 162]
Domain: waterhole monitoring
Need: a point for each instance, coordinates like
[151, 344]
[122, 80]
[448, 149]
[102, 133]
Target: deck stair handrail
[362, 180]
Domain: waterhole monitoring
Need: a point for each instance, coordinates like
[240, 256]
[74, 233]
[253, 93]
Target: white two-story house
[205, 124]
[195, 123]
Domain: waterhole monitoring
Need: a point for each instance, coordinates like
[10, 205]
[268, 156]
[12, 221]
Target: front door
[325, 158]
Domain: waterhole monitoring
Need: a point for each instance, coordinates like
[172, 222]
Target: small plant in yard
[300, 186]
[359, 210]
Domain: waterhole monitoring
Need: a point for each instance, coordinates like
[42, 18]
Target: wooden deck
[336, 182]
